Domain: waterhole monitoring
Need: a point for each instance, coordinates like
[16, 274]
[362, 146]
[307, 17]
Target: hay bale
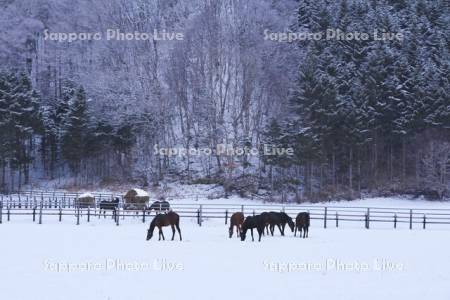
[136, 199]
[85, 200]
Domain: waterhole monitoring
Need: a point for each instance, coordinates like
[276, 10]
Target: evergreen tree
[75, 135]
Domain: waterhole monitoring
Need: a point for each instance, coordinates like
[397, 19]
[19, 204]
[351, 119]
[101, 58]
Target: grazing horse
[160, 220]
[250, 223]
[236, 219]
[159, 206]
[302, 223]
[266, 217]
[109, 205]
[280, 219]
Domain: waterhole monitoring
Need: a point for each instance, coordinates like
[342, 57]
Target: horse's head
[243, 232]
[291, 224]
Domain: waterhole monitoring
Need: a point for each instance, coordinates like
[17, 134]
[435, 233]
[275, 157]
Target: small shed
[136, 199]
[85, 200]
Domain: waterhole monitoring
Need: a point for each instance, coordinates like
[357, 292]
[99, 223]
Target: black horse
[109, 205]
[302, 223]
[159, 206]
[161, 220]
[253, 222]
[280, 219]
[266, 217]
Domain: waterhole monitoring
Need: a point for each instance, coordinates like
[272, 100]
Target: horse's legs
[173, 232]
[252, 235]
[279, 228]
[283, 226]
[179, 231]
[161, 234]
[238, 230]
[272, 228]
[260, 232]
[295, 231]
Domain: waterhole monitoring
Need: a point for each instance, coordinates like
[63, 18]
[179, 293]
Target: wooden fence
[39, 206]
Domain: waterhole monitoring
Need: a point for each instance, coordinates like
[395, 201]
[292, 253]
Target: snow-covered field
[99, 260]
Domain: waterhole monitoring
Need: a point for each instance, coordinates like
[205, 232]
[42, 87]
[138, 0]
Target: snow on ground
[389, 202]
[345, 263]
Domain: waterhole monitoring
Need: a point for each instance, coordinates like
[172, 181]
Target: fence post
[78, 215]
[424, 221]
[201, 214]
[8, 213]
[60, 213]
[253, 212]
[395, 221]
[242, 208]
[1, 210]
[198, 217]
[325, 218]
[40, 213]
[34, 213]
[337, 220]
[365, 220]
[226, 217]
[89, 214]
[410, 218]
[118, 216]
[143, 215]
[368, 218]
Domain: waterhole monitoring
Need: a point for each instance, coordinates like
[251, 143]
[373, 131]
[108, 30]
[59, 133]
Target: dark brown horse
[266, 217]
[161, 220]
[279, 219]
[253, 222]
[302, 223]
[236, 219]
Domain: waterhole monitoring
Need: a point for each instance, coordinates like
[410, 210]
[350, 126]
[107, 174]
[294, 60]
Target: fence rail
[38, 206]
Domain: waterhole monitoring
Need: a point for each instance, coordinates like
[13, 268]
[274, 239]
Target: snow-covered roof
[141, 193]
[86, 195]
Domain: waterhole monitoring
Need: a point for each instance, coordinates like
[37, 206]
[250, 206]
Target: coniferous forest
[361, 115]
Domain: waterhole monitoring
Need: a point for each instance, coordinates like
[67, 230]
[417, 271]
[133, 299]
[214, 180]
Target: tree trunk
[350, 172]
[334, 169]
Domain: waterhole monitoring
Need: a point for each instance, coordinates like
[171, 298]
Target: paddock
[58, 260]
